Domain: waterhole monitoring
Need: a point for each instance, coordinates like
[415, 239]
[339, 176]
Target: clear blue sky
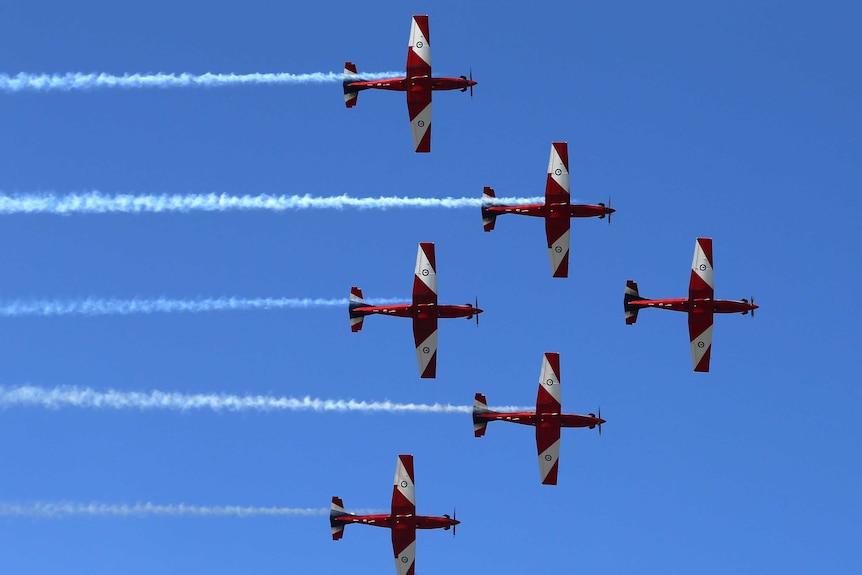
[738, 121]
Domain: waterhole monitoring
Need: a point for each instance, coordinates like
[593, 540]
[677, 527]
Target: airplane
[700, 304]
[402, 518]
[424, 310]
[547, 418]
[418, 83]
[556, 210]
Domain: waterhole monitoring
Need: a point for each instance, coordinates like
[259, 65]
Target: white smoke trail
[94, 306]
[99, 203]
[88, 398]
[77, 81]
[46, 510]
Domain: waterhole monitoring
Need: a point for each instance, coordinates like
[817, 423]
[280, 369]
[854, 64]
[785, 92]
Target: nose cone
[472, 83]
[600, 420]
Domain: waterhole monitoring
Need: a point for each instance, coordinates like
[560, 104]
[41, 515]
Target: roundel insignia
[403, 484]
[426, 349]
[700, 344]
[558, 172]
[425, 272]
[558, 249]
[421, 123]
[404, 559]
[702, 267]
[549, 381]
[420, 43]
[548, 458]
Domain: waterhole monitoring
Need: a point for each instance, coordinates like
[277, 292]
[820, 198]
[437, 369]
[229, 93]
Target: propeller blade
[454, 521]
[477, 314]
[609, 207]
[600, 421]
[471, 82]
[752, 309]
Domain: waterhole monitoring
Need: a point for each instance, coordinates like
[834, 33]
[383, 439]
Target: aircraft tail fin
[630, 296]
[356, 301]
[336, 510]
[351, 94]
[488, 218]
[480, 405]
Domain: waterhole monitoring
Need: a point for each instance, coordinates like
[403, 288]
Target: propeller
[752, 309]
[599, 425]
[454, 519]
[602, 204]
[471, 83]
[477, 313]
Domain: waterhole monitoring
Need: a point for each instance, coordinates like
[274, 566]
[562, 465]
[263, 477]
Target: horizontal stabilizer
[480, 405]
[630, 296]
[350, 93]
[356, 301]
[336, 510]
[488, 218]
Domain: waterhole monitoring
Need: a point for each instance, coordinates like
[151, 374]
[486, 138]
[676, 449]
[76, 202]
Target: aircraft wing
[404, 503]
[425, 337]
[557, 186]
[419, 107]
[404, 546]
[548, 446]
[557, 225]
[557, 230]
[701, 285]
[403, 490]
[425, 275]
[419, 51]
[700, 332]
[419, 66]
[548, 400]
[548, 431]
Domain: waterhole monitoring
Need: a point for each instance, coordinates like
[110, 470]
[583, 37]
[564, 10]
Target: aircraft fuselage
[391, 521]
[421, 311]
[413, 84]
[532, 418]
[559, 210]
[705, 304]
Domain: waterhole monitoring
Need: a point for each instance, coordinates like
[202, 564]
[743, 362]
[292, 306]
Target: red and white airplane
[402, 519]
[424, 310]
[548, 418]
[557, 210]
[700, 304]
[418, 83]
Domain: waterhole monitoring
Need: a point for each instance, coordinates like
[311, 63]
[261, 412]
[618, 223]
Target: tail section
[350, 94]
[630, 296]
[488, 218]
[356, 301]
[480, 405]
[336, 510]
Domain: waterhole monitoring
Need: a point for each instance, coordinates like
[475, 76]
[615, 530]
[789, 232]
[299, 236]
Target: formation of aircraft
[402, 518]
[547, 419]
[424, 310]
[700, 305]
[418, 83]
[557, 209]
